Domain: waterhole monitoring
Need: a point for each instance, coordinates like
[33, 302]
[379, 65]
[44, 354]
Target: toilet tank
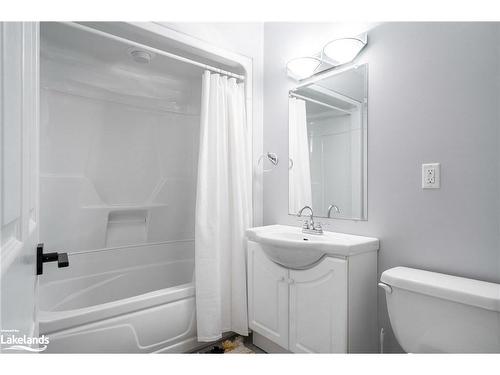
[432, 312]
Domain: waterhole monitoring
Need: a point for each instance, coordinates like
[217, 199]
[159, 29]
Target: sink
[289, 247]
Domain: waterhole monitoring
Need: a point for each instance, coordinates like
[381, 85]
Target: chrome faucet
[309, 227]
[335, 208]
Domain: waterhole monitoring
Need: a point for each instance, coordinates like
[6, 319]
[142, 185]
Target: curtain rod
[320, 103]
[152, 49]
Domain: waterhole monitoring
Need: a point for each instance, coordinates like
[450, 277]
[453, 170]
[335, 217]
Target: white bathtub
[135, 299]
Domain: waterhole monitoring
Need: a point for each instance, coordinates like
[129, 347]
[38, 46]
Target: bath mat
[236, 346]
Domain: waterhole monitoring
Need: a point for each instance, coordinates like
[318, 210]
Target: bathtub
[131, 299]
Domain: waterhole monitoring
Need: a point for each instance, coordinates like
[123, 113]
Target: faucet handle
[318, 227]
[305, 224]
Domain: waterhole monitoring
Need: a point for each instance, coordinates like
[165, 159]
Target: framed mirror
[327, 144]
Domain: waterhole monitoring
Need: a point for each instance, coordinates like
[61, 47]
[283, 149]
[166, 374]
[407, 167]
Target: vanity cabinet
[267, 296]
[318, 308]
[328, 308]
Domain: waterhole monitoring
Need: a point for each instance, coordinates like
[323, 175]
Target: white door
[267, 296]
[19, 46]
[318, 308]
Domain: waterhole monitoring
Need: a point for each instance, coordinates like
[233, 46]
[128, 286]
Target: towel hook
[272, 157]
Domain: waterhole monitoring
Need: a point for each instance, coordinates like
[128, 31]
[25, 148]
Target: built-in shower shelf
[127, 226]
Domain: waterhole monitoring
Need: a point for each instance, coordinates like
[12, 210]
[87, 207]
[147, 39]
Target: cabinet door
[267, 296]
[318, 308]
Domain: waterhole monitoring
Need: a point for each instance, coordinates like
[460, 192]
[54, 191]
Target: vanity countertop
[330, 243]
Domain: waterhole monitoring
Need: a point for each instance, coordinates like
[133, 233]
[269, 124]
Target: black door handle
[41, 258]
[62, 260]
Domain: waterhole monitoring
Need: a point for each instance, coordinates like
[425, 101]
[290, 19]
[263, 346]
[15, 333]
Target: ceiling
[77, 61]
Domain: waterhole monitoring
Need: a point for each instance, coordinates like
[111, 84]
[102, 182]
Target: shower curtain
[223, 209]
[299, 180]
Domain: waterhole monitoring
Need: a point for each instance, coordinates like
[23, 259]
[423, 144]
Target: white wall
[113, 174]
[433, 97]
[246, 39]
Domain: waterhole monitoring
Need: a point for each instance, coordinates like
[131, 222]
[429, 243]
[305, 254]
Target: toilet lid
[458, 289]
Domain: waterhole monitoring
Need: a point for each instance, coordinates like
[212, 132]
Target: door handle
[62, 260]
[41, 258]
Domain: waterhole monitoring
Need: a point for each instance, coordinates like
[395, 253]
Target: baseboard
[267, 345]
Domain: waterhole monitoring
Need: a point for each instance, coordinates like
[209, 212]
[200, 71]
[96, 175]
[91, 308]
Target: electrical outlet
[431, 176]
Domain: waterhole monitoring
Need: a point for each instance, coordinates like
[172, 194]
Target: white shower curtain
[300, 192]
[223, 209]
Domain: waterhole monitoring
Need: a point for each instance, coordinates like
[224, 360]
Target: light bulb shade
[343, 50]
[302, 67]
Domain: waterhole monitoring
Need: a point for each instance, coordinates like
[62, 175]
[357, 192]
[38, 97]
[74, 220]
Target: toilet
[432, 312]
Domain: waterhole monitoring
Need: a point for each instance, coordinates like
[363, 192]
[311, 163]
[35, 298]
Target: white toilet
[436, 313]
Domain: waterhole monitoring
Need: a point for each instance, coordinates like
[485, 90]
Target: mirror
[327, 129]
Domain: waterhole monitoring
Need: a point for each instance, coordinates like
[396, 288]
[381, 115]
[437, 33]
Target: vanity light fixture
[302, 67]
[336, 52]
[343, 50]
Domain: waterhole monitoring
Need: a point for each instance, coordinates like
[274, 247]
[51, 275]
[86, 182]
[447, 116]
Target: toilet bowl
[436, 313]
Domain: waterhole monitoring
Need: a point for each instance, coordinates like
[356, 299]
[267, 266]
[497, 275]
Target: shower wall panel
[114, 174]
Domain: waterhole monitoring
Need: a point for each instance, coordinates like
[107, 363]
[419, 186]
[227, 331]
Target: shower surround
[119, 149]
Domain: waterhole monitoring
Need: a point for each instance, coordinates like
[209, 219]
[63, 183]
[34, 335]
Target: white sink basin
[289, 247]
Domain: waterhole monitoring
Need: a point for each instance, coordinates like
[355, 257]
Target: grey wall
[433, 97]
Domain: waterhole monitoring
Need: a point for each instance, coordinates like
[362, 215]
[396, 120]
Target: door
[267, 296]
[318, 308]
[19, 46]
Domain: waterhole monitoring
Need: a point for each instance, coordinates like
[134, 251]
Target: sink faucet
[309, 227]
[335, 208]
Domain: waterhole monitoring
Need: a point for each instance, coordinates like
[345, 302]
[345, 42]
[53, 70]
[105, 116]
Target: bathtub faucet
[41, 258]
